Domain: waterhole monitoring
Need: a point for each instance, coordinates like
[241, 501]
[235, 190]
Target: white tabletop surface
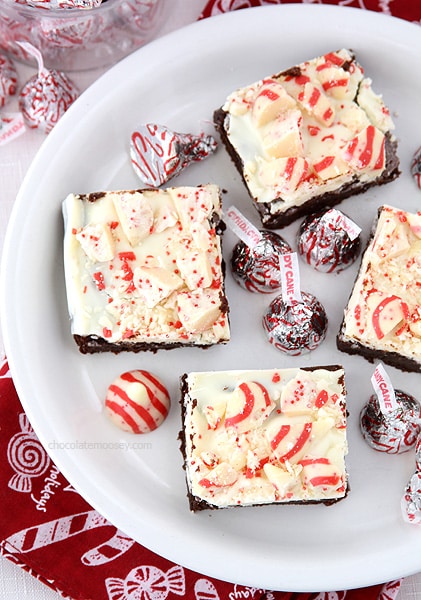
[15, 158]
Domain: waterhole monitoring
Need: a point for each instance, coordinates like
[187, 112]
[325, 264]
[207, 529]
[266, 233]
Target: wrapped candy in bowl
[79, 34]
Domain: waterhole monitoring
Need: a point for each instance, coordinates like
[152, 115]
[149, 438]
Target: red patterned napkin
[48, 529]
[409, 10]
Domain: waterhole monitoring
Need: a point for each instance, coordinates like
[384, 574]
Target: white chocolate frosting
[145, 266]
[266, 436]
[307, 134]
[384, 310]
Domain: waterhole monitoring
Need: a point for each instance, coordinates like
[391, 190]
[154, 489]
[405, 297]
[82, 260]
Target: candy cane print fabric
[26, 456]
[48, 529]
[147, 582]
[331, 596]
[58, 530]
[4, 370]
[390, 591]
[404, 9]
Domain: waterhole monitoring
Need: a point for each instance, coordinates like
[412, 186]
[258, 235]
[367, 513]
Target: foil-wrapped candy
[157, 154]
[46, 96]
[416, 167]
[8, 80]
[395, 431]
[12, 126]
[298, 327]
[64, 4]
[139, 14]
[411, 499]
[71, 32]
[329, 241]
[257, 269]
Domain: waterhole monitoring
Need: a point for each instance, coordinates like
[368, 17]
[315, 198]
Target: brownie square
[144, 269]
[273, 436]
[382, 320]
[306, 138]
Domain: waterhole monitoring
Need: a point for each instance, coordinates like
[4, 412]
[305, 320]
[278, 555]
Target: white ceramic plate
[178, 81]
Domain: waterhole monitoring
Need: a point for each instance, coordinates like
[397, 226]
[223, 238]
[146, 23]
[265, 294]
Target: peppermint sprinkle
[242, 228]
[383, 388]
[290, 278]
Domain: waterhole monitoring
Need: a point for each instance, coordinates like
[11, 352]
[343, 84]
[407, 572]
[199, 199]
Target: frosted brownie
[144, 269]
[308, 137]
[382, 319]
[264, 436]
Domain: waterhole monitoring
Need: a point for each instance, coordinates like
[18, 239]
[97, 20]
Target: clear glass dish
[79, 39]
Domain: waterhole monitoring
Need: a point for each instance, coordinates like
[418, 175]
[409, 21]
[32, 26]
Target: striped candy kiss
[137, 402]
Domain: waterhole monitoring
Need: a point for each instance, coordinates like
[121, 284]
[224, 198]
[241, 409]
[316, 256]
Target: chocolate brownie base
[93, 345]
[390, 358]
[325, 200]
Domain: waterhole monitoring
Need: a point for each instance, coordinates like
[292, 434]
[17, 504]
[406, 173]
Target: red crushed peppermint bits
[158, 154]
[258, 269]
[8, 80]
[329, 241]
[416, 167]
[45, 98]
[137, 402]
[295, 328]
[393, 432]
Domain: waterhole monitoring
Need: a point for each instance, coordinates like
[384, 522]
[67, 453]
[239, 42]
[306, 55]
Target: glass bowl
[76, 39]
